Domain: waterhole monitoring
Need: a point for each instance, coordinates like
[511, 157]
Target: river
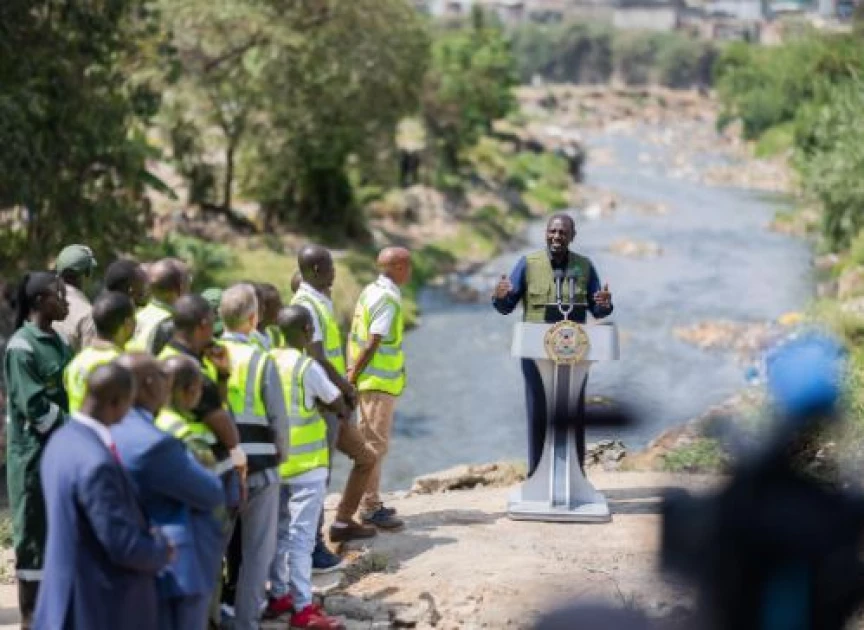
[464, 401]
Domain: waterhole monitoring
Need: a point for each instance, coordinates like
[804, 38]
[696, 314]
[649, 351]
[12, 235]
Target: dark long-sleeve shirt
[518, 279]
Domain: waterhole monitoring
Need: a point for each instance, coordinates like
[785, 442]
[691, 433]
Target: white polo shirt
[382, 318]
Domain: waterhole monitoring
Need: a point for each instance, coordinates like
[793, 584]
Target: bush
[206, 259]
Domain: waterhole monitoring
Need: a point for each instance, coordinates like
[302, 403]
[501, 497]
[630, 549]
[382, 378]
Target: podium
[563, 353]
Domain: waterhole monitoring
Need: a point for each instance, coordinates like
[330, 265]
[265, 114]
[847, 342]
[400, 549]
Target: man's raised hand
[503, 288]
[603, 298]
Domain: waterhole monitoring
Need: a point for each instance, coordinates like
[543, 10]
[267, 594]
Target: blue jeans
[300, 507]
[258, 534]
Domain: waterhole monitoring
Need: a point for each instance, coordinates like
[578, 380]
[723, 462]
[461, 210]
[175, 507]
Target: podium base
[596, 511]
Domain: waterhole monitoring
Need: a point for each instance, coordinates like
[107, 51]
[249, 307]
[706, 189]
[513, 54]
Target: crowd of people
[168, 453]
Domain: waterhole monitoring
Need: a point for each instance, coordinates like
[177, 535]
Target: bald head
[316, 266]
[169, 279]
[153, 385]
[110, 391]
[295, 322]
[395, 263]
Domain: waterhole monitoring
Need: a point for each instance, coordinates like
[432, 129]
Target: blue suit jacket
[179, 496]
[100, 558]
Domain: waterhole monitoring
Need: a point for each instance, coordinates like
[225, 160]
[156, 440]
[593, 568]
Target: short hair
[184, 370]
[189, 311]
[168, 274]
[239, 302]
[110, 311]
[120, 275]
[292, 318]
[563, 216]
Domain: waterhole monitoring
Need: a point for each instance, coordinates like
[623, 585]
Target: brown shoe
[352, 531]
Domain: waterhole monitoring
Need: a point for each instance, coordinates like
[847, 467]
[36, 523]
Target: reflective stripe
[16, 343]
[44, 422]
[298, 420]
[250, 418]
[383, 348]
[388, 374]
[259, 448]
[29, 575]
[175, 427]
[222, 467]
[334, 353]
[311, 447]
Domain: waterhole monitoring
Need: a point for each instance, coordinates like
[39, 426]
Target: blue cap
[805, 375]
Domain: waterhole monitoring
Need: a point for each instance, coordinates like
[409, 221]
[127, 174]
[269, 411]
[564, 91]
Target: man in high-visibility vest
[377, 367]
[114, 317]
[271, 304]
[304, 474]
[169, 280]
[256, 401]
[316, 266]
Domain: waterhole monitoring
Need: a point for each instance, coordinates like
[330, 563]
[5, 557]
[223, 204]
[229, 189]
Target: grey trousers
[259, 518]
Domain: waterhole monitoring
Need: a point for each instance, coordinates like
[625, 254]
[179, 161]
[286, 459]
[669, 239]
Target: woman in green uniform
[37, 404]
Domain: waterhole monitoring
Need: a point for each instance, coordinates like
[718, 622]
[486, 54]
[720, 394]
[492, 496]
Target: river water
[464, 401]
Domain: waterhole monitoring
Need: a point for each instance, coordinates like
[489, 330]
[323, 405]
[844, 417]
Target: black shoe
[324, 560]
[383, 519]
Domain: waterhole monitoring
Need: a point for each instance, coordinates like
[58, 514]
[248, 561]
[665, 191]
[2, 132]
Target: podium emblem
[566, 343]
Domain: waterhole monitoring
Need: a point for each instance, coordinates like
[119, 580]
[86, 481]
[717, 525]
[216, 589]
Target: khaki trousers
[376, 423]
[350, 442]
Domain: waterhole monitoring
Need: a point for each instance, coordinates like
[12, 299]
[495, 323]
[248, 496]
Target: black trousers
[233, 560]
[535, 403]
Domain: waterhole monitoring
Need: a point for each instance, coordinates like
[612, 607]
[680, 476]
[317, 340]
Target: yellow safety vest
[330, 333]
[147, 321]
[79, 370]
[247, 404]
[196, 427]
[386, 371]
[307, 447]
[186, 430]
[277, 339]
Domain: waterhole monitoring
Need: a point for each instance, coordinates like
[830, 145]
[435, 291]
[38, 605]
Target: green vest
[540, 284]
[147, 321]
[330, 333]
[307, 442]
[82, 366]
[386, 371]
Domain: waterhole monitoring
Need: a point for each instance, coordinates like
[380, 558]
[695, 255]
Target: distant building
[751, 10]
[645, 15]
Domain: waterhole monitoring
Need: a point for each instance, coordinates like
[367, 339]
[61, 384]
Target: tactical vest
[247, 404]
[147, 321]
[330, 333]
[195, 425]
[307, 442]
[82, 366]
[386, 371]
[540, 284]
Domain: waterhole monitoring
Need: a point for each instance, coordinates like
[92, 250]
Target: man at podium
[538, 280]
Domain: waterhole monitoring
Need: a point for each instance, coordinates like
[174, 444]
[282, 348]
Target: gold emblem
[566, 343]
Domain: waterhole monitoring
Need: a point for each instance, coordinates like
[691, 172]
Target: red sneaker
[278, 606]
[313, 618]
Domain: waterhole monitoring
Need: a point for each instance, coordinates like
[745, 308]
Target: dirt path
[461, 563]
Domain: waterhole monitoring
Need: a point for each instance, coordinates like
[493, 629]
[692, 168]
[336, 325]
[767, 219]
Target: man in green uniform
[75, 266]
[35, 359]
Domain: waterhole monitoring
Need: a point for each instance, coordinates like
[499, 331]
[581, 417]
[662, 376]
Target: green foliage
[672, 59]
[468, 86]
[703, 455]
[205, 259]
[775, 141]
[71, 126]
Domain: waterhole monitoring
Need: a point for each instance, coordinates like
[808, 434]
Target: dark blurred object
[594, 616]
[775, 550]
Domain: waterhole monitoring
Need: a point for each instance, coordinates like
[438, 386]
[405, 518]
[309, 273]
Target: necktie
[113, 449]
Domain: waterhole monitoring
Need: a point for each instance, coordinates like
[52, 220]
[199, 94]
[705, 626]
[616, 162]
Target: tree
[469, 85]
[73, 164]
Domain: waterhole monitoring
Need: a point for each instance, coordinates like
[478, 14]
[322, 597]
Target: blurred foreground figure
[775, 549]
